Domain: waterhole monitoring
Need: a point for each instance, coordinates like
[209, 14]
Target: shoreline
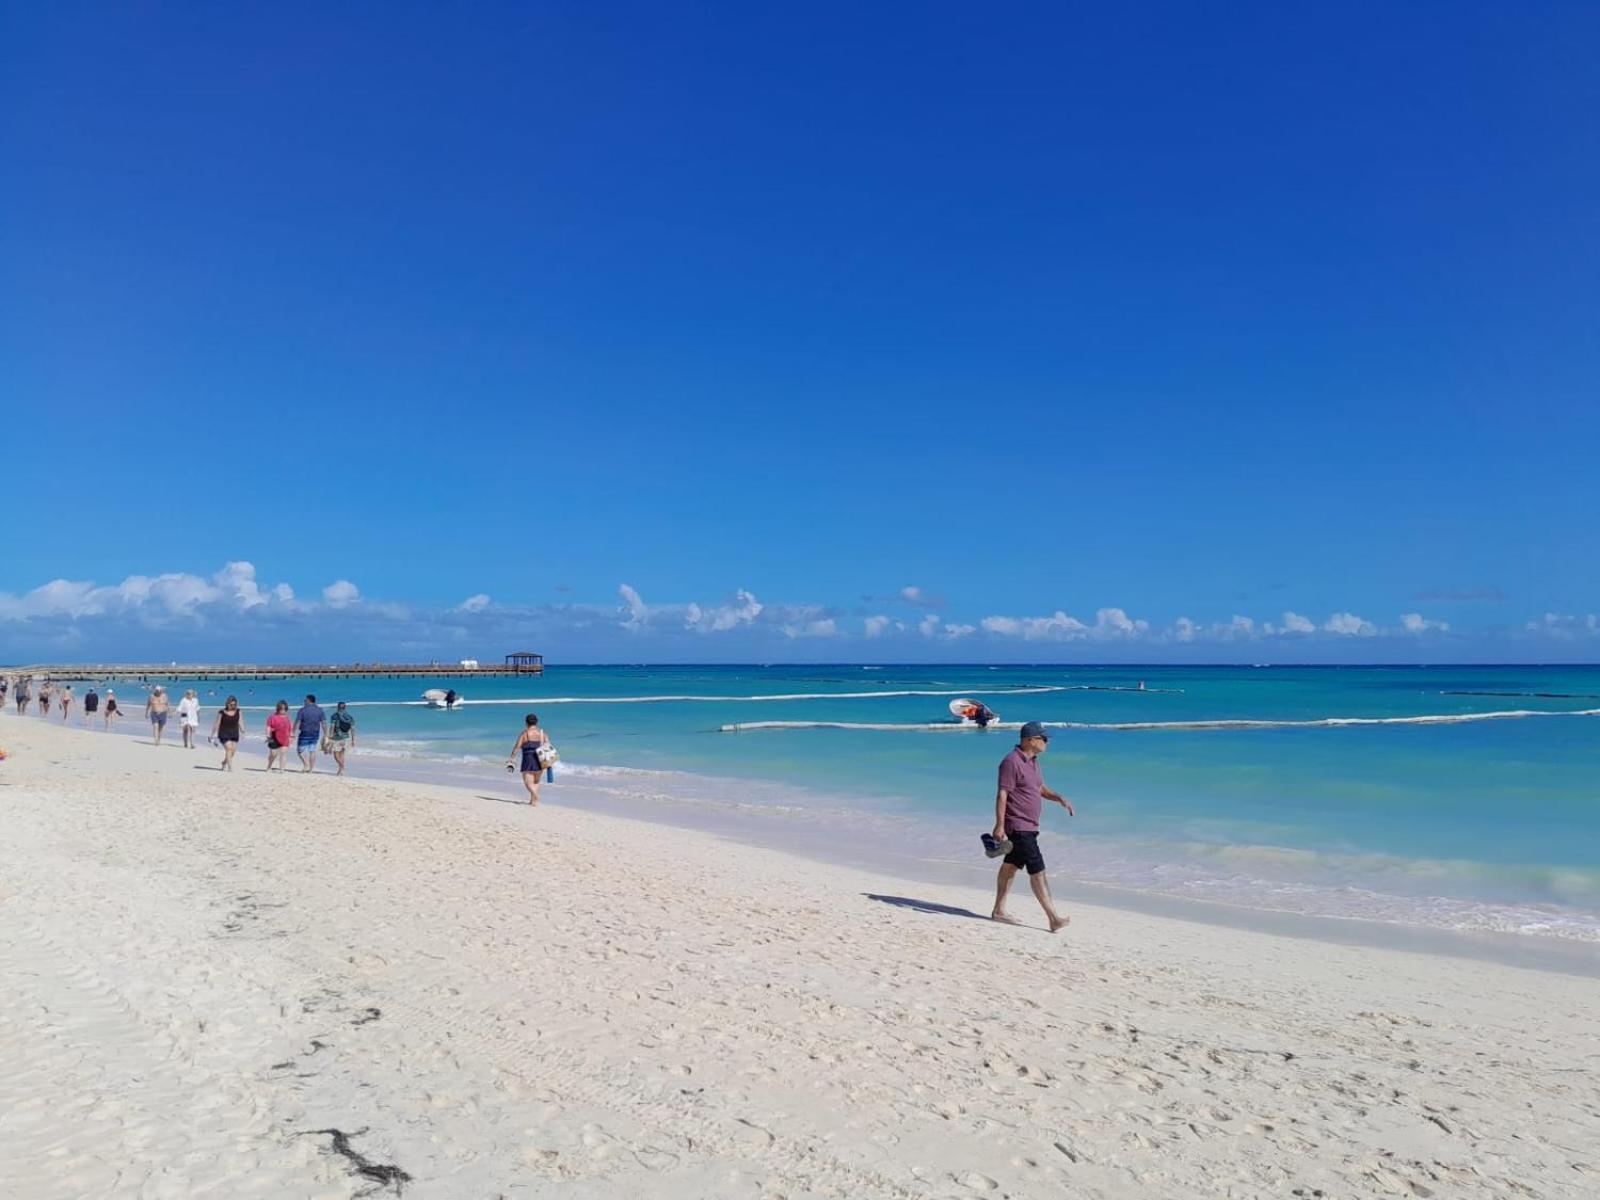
[490, 999]
[818, 832]
[819, 842]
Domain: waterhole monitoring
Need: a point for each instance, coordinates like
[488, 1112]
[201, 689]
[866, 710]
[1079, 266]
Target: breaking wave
[1224, 723]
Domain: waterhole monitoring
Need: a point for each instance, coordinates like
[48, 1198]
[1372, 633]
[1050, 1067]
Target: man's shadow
[925, 906]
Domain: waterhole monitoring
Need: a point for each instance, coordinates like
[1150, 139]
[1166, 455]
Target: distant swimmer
[1017, 805]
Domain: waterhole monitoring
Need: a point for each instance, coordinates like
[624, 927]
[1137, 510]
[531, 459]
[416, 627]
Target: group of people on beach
[21, 692]
[1019, 796]
[311, 730]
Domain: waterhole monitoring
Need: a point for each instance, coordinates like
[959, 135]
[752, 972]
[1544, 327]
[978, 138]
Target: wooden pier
[63, 672]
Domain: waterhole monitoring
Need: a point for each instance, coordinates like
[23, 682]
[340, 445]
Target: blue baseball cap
[1034, 729]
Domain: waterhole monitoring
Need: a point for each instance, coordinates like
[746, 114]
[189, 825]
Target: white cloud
[1293, 622]
[953, 632]
[633, 604]
[929, 625]
[921, 598]
[238, 580]
[1110, 624]
[1057, 627]
[874, 626]
[824, 628]
[1565, 626]
[1114, 623]
[474, 604]
[1347, 624]
[340, 593]
[744, 609]
[1417, 623]
[58, 598]
[150, 598]
[1183, 629]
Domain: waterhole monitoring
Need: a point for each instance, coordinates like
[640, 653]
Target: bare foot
[1004, 918]
[1059, 924]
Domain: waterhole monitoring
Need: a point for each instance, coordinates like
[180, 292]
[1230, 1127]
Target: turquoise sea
[1449, 797]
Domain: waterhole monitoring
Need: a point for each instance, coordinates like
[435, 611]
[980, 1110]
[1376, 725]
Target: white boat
[440, 698]
[966, 711]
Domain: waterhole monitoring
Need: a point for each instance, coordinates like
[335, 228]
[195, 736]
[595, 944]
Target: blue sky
[1104, 332]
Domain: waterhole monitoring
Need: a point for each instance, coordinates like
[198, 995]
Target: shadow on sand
[925, 906]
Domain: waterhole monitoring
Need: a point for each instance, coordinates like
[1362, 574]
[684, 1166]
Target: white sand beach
[205, 974]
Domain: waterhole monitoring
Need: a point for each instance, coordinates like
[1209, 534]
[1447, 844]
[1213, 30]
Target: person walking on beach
[155, 711]
[228, 728]
[308, 732]
[526, 748]
[91, 706]
[1017, 804]
[341, 734]
[279, 731]
[66, 703]
[44, 698]
[112, 711]
[189, 717]
[24, 694]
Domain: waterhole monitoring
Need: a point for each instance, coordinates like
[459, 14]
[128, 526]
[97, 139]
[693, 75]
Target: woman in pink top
[279, 727]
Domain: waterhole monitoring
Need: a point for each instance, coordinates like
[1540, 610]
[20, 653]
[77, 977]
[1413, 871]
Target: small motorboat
[973, 712]
[442, 698]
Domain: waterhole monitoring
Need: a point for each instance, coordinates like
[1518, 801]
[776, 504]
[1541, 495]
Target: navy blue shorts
[1025, 850]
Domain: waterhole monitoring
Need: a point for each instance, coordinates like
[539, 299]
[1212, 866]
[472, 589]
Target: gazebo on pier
[525, 660]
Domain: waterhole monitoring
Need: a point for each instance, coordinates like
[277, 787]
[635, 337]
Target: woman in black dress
[227, 729]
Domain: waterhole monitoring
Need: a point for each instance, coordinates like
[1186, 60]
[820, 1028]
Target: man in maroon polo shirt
[1016, 819]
